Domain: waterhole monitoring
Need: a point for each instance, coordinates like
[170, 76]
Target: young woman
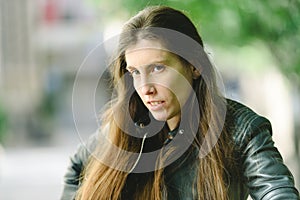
[169, 133]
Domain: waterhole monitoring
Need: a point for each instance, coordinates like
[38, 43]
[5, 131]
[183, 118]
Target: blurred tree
[3, 124]
[275, 23]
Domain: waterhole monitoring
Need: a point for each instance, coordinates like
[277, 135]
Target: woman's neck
[173, 122]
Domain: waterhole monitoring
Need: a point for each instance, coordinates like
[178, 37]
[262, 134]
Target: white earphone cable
[140, 154]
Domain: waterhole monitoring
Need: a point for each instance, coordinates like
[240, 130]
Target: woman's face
[160, 79]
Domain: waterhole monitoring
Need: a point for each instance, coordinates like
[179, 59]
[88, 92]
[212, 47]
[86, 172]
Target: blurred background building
[53, 56]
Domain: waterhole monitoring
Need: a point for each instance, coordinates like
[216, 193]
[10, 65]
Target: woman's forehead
[144, 44]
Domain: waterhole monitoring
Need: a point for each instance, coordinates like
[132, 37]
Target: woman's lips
[156, 105]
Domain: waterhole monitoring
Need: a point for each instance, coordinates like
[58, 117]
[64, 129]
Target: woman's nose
[145, 85]
[147, 89]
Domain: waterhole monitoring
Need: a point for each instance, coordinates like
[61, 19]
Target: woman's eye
[158, 68]
[134, 72]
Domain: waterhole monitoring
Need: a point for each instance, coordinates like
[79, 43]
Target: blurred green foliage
[3, 123]
[227, 23]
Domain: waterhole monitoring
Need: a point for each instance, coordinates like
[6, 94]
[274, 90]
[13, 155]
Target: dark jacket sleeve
[76, 165]
[264, 173]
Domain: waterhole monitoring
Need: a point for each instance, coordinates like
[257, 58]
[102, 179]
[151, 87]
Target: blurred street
[35, 172]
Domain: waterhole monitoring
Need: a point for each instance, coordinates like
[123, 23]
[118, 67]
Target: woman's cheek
[181, 87]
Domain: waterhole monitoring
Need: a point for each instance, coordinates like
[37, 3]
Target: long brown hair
[103, 182]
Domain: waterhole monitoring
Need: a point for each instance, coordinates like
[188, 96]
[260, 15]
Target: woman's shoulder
[244, 123]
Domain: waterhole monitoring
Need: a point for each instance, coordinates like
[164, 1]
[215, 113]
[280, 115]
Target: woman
[169, 133]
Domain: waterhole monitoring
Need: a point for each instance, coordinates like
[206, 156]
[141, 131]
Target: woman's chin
[159, 117]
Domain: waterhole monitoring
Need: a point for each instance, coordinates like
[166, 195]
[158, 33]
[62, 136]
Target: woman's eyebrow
[162, 61]
[130, 67]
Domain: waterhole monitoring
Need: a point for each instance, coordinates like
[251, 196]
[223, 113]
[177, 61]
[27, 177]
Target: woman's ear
[195, 72]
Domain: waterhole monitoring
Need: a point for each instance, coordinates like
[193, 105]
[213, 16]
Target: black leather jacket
[261, 172]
